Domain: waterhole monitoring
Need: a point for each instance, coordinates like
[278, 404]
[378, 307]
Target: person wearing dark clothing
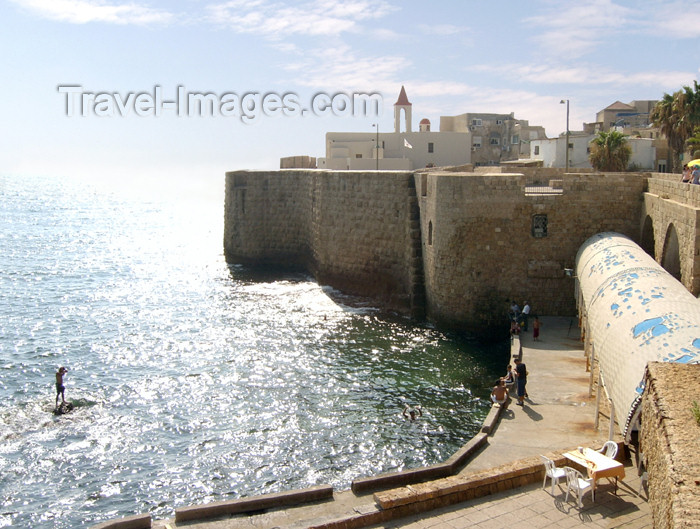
[60, 388]
[521, 371]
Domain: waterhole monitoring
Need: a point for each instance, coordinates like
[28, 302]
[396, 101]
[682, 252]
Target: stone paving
[536, 508]
[558, 416]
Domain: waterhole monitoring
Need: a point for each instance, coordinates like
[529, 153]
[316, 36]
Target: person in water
[412, 413]
[60, 388]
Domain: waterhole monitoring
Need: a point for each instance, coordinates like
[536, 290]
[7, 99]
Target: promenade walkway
[559, 415]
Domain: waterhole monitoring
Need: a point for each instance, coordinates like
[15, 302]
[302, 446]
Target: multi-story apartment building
[496, 138]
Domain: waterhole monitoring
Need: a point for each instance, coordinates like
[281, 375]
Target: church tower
[402, 104]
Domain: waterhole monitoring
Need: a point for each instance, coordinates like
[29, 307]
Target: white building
[396, 150]
[496, 138]
[552, 151]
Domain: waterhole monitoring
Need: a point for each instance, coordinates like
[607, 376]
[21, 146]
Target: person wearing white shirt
[525, 314]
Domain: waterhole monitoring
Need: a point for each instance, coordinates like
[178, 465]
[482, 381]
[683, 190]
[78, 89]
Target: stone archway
[671, 260]
[648, 240]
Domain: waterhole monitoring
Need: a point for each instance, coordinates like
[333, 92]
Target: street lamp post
[376, 145]
[567, 131]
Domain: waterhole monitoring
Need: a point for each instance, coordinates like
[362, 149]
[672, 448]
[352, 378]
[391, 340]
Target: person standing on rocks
[60, 388]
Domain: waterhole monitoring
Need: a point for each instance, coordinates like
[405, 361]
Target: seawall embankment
[357, 232]
[455, 247]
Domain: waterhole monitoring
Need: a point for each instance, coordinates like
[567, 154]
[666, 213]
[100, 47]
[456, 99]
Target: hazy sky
[453, 57]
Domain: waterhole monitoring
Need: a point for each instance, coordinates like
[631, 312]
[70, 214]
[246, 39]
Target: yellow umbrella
[691, 163]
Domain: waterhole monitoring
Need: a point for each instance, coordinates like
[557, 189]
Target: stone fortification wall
[356, 231]
[266, 218]
[459, 244]
[673, 189]
[365, 234]
[670, 441]
[480, 248]
[671, 220]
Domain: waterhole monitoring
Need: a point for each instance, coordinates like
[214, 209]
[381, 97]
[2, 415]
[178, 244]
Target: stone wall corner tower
[402, 104]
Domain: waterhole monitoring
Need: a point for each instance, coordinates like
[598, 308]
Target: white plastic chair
[579, 486]
[552, 472]
[609, 449]
[644, 477]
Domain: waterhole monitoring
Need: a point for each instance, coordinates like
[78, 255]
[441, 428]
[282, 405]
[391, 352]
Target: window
[241, 200]
[359, 155]
[495, 141]
[430, 146]
[539, 226]
[515, 139]
[476, 141]
[476, 122]
[499, 122]
[430, 233]
[571, 145]
[537, 149]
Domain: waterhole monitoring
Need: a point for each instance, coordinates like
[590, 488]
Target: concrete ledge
[492, 417]
[516, 348]
[395, 479]
[139, 521]
[459, 488]
[417, 475]
[461, 456]
[255, 503]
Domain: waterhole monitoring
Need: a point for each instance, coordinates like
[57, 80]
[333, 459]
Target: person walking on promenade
[521, 371]
[60, 388]
[536, 329]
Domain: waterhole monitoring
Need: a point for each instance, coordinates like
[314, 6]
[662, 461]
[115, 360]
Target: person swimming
[412, 413]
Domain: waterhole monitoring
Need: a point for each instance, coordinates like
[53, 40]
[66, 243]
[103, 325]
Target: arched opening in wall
[430, 233]
[648, 244]
[671, 257]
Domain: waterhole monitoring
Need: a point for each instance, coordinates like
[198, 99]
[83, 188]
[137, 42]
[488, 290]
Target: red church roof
[403, 99]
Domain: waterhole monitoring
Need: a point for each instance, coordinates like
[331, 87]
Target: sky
[90, 87]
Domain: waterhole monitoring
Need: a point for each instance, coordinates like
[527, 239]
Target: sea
[194, 380]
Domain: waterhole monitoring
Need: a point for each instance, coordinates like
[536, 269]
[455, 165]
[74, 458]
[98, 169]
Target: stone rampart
[489, 238]
[458, 244]
[356, 231]
[670, 443]
[671, 229]
[266, 220]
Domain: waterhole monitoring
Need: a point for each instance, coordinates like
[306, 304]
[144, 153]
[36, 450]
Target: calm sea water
[195, 381]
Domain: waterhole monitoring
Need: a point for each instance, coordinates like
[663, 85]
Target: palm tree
[693, 141]
[610, 152]
[663, 115]
[677, 115]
